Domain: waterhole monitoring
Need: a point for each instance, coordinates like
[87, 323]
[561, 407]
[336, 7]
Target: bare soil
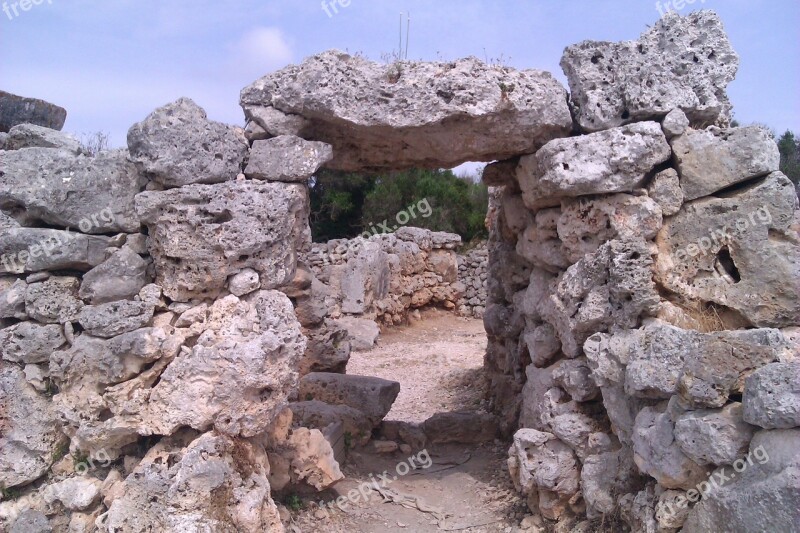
[438, 362]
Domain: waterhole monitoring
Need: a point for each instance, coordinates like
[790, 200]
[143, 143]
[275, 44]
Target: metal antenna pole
[408, 30]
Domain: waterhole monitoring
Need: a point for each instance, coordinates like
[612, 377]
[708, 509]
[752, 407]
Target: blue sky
[111, 62]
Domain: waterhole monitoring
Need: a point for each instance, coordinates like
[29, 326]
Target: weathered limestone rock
[286, 158]
[120, 277]
[462, 111]
[115, 318]
[31, 521]
[659, 455]
[30, 343]
[91, 194]
[20, 110]
[539, 460]
[362, 332]
[669, 514]
[33, 250]
[201, 234]
[306, 456]
[32, 136]
[714, 437]
[460, 427]
[660, 360]
[177, 145]
[30, 434]
[607, 290]
[616, 160]
[12, 298]
[319, 415]
[54, 301]
[713, 159]
[574, 376]
[772, 396]
[681, 62]
[372, 396]
[540, 245]
[244, 282]
[665, 190]
[607, 475]
[543, 344]
[328, 350]
[366, 278]
[75, 493]
[588, 222]
[213, 483]
[675, 123]
[740, 251]
[763, 494]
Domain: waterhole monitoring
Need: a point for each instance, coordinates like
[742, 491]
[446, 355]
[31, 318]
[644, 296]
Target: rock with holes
[21, 110]
[115, 318]
[286, 158]
[538, 460]
[539, 243]
[615, 160]
[373, 396]
[761, 497]
[53, 186]
[54, 301]
[717, 437]
[665, 190]
[658, 454]
[33, 136]
[244, 282]
[250, 347]
[713, 159]
[119, 277]
[772, 396]
[202, 234]
[661, 360]
[609, 289]
[31, 435]
[208, 483]
[75, 493]
[574, 376]
[462, 111]
[30, 343]
[177, 145]
[681, 62]
[586, 223]
[740, 251]
[303, 457]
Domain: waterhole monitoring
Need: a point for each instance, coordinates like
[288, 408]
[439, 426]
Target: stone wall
[642, 298]
[473, 271]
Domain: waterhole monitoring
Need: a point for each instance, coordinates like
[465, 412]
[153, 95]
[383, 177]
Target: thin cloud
[260, 51]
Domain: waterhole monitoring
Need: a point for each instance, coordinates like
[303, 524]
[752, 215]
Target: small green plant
[60, 452]
[309, 396]
[348, 440]
[80, 457]
[10, 493]
[506, 89]
[293, 502]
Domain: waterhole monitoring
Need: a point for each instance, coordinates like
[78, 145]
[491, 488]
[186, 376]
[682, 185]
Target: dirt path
[437, 361]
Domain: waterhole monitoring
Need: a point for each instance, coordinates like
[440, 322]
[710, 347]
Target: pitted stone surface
[412, 114]
[681, 62]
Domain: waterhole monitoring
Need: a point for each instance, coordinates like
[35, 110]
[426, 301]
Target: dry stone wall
[643, 308]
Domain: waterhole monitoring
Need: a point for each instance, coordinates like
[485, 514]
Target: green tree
[789, 147]
[337, 199]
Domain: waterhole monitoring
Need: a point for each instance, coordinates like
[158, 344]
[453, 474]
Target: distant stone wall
[386, 276]
[473, 271]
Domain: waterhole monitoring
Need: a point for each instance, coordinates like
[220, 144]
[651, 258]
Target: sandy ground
[437, 361]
